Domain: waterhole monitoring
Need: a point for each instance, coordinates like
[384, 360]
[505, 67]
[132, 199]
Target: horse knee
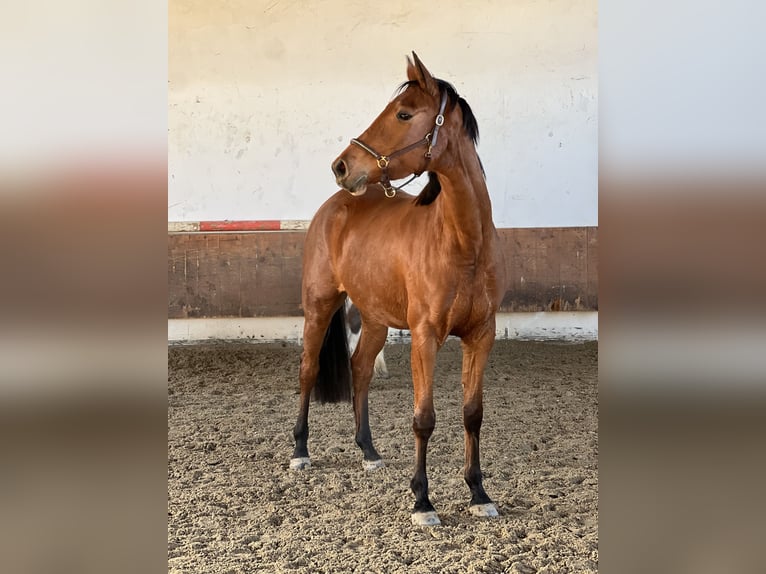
[472, 416]
[423, 423]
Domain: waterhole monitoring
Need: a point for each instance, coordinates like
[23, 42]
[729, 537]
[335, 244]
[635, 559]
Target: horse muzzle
[354, 184]
[358, 187]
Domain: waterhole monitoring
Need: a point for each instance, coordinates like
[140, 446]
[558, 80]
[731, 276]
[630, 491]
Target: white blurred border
[83, 81]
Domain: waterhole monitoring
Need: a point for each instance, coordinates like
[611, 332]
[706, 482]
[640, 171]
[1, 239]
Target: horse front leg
[317, 319]
[372, 339]
[475, 353]
[424, 349]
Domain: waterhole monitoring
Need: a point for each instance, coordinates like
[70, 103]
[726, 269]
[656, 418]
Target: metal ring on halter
[382, 162]
[389, 191]
[430, 145]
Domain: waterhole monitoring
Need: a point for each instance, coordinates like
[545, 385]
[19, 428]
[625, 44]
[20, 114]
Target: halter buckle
[440, 119]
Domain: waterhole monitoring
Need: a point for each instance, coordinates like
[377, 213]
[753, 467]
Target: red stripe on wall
[257, 225]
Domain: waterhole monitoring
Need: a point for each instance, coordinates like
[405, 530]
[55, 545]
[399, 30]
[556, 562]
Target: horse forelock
[470, 125]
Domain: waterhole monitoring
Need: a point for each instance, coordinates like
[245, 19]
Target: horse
[430, 263]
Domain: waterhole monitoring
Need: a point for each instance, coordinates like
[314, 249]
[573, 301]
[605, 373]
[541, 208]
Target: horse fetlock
[301, 432]
[473, 478]
[419, 485]
[478, 495]
[301, 449]
[422, 504]
[363, 439]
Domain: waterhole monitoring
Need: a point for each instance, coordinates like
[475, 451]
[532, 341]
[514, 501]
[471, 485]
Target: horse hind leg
[475, 354]
[381, 370]
[353, 333]
[317, 317]
[371, 342]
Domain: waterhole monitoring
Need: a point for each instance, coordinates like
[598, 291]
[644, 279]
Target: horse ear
[417, 72]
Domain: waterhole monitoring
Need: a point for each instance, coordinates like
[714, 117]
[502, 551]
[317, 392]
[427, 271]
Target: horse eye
[404, 116]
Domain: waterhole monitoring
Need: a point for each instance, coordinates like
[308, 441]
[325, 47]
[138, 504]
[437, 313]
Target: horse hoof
[372, 465]
[425, 518]
[302, 463]
[483, 510]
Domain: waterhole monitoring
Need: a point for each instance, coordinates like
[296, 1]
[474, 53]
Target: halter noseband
[383, 161]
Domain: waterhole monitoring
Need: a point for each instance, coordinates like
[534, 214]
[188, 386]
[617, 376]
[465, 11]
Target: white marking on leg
[381, 370]
[425, 518]
[373, 465]
[301, 463]
[483, 510]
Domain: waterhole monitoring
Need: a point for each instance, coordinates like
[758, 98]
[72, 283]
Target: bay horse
[431, 264]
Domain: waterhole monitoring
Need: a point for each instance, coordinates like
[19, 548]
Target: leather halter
[383, 161]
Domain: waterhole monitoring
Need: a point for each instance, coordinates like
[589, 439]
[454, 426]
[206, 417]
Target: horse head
[404, 139]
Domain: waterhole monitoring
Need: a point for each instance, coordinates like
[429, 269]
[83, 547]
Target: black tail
[334, 380]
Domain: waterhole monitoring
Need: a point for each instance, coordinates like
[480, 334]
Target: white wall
[264, 94]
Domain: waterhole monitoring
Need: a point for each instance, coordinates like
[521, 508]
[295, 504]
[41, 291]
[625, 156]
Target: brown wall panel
[259, 274]
[592, 267]
[234, 274]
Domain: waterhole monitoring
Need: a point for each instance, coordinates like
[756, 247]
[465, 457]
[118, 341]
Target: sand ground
[234, 506]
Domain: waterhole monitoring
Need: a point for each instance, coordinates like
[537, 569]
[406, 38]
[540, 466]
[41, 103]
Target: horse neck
[465, 203]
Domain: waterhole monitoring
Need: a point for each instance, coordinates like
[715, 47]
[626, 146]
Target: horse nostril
[339, 168]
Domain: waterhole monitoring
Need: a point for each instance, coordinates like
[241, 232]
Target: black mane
[430, 191]
[433, 188]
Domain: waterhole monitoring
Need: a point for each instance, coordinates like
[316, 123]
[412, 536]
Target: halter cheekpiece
[383, 161]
